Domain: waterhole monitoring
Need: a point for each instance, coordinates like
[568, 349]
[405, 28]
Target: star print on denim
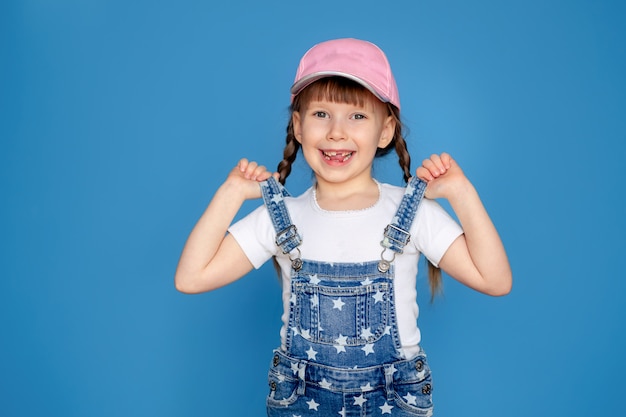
[367, 387]
[368, 348]
[338, 304]
[313, 279]
[341, 343]
[311, 353]
[386, 409]
[295, 368]
[366, 333]
[340, 348]
[410, 399]
[360, 400]
[277, 199]
[325, 384]
[312, 405]
[378, 297]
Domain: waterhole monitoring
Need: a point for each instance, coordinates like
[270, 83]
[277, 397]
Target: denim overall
[343, 353]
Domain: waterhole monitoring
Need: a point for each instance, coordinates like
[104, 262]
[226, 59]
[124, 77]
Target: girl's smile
[336, 157]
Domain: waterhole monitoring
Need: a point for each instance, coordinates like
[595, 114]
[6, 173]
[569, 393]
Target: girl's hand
[443, 175]
[476, 258]
[246, 177]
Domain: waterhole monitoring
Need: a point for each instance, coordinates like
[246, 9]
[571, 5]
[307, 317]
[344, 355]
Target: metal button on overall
[275, 361]
[426, 389]
[273, 385]
[419, 365]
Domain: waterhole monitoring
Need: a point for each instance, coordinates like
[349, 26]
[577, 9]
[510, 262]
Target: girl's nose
[337, 131]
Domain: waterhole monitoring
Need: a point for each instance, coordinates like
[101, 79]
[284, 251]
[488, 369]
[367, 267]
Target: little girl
[348, 247]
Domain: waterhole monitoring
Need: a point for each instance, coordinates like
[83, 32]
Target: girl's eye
[321, 114]
[359, 116]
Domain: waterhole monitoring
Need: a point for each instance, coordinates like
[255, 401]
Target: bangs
[337, 90]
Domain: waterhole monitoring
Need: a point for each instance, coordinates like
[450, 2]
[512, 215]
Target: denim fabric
[397, 235]
[287, 237]
[343, 352]
[343, 314]
[305, 388]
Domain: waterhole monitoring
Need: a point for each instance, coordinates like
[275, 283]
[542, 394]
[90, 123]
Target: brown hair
[344, 90]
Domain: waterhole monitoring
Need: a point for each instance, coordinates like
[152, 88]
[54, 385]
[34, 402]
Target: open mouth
[341, 156]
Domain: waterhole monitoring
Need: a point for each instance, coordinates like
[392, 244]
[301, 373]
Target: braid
[434, 280]
[398, 142]
[404, 158]
[289, 154]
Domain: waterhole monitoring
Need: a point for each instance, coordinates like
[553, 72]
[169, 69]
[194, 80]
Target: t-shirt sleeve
[255, 235]
[434, 230]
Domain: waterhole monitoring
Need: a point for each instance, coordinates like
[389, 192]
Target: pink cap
[355, 59]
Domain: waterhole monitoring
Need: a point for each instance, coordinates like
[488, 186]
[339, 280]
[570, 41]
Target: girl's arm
[212, 258]
[477, 258]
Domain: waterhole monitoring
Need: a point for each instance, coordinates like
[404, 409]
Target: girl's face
[339, 140]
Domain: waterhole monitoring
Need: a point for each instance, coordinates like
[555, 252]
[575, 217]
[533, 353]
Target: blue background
[119, 119]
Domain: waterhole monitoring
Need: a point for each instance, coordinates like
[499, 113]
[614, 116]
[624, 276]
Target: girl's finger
[242, 164]
[439, 165]
[249, 171]
[446, 160]
[424, 174]
[258, 172]
[430, 165]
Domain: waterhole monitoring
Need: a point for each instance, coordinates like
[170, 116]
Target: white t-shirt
[354, 236]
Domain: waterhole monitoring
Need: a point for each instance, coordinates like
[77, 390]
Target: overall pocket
[282, 390]
[353, 315]
[413, 393]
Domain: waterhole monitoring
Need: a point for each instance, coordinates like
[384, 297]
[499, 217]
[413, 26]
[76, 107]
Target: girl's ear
[386, 135]
[297, 127]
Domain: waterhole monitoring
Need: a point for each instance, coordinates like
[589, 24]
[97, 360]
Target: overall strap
[287, 236]
[397, 233]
